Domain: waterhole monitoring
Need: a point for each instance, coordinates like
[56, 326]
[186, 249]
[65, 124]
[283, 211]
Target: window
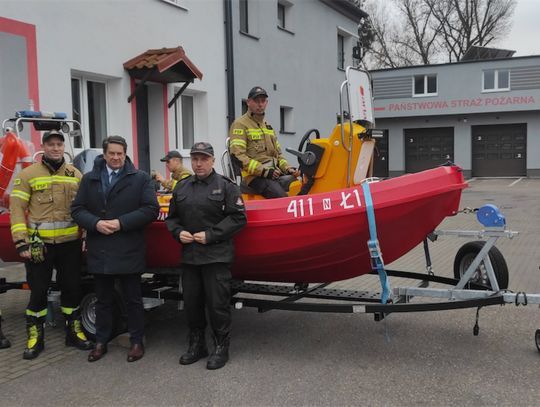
[244, 106]
[286, 120]
[281, 15]
[244, 26]
[425, 85]
[341, 51]
[185, 123]
[495, 80]
[89, 105]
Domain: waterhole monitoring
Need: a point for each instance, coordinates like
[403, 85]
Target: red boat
[323, 237]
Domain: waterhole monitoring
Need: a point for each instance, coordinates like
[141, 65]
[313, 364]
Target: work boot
[36, 337]
[220, 356]
[197, 348]
[74, 333]
[4, 342]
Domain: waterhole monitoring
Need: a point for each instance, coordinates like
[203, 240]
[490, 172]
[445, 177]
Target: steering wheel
[306, 138]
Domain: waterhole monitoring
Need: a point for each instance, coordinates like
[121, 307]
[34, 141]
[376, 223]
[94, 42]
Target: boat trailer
[476, 284]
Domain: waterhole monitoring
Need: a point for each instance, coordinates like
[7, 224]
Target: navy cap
[257, 91]
[50, 134]
[171, 154]
[202, 148]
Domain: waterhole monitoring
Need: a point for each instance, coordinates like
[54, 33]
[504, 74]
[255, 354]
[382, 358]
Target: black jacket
[213, 205]
[131, 200]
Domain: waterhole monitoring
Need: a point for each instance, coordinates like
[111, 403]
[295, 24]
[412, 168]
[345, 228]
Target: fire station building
[482, 113]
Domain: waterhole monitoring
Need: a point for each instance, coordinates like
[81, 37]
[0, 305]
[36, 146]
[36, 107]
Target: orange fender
[10, 149]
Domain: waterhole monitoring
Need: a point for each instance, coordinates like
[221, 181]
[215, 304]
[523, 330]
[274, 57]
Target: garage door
[428, 147]
[380, 162]
[499, 150]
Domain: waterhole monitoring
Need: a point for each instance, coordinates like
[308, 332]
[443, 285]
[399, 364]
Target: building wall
[96, 37]
[462, 136]
[460, 103]
[297, 68]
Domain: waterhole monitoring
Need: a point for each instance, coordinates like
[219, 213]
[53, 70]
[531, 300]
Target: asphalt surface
[313, 359]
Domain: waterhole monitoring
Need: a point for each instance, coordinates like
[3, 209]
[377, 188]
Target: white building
[69, 56]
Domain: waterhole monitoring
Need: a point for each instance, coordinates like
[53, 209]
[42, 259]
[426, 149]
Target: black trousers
[66, 259]
[105, 306]
[208, 285]
[268, 188]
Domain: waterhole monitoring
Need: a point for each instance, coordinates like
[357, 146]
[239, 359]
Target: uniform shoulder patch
[238, 132]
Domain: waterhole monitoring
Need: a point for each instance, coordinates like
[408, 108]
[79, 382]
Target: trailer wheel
[537, 339]
[465, 257]
[88, 315]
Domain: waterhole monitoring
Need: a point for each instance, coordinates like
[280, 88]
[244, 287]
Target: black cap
[171, 154]
[257, 91]
[53, 133]
[202, 148]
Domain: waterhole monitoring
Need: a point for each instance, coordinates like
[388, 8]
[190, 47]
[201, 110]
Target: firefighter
[174, 162]
[253, 143]
[206, 210]
[48, 238]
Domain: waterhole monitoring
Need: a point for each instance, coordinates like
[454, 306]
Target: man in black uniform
[206, 210]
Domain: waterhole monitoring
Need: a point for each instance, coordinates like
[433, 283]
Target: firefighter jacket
[46, 194]
[255, 145]
[213, 205]
[177, 175]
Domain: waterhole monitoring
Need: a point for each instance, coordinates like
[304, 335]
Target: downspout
[229, 60]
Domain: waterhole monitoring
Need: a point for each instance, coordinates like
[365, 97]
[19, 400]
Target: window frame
[286, 120]
[496, 87]
[341, 51]
[84, 106]
[178, 126]
[243, 9]
[425, 93]
[282, 7]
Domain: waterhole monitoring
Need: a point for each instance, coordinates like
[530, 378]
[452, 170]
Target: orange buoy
[10, 152]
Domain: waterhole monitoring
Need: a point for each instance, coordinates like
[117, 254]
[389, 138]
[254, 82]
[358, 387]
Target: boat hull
[323, 237]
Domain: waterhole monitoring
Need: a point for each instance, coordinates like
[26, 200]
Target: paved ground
[284, 358]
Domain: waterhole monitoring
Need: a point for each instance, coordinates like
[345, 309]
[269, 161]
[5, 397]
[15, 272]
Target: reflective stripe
[38, 314]
[68, 311]
[20, 194]
[236, 142]
[53, 233]
[282, 161]
[18, 227]
[174, 182]
[277, 144]
[53, 178]
[51, 225]
[268, 131]
[252, 166]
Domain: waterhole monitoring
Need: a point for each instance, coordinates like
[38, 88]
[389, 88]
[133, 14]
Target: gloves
[268, 173]
[37, 249]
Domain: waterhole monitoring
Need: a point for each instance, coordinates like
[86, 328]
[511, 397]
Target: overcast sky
[524, 37]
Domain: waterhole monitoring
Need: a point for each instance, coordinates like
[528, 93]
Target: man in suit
[114, 204]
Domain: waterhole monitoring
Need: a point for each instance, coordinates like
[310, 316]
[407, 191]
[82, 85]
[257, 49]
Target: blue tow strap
[377, 262]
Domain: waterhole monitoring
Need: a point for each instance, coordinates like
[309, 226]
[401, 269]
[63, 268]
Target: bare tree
[415, 32]
[466, 23]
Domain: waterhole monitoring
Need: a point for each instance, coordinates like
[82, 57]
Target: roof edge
[346, 7]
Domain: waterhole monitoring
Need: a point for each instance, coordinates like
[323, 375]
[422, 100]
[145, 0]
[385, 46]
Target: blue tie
[114, 176]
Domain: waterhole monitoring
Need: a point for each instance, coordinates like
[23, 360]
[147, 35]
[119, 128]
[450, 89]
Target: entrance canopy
[165, 65]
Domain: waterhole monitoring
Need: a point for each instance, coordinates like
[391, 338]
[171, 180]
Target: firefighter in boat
[254, 146]
[46, 237]
[174, 162]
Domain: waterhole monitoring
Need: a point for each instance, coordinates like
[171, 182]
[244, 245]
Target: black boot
[4, 343]
[197, 348]
[36, 337]
[74, 333]
[220, 356]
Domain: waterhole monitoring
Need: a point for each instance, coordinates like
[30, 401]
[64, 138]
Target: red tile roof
[163, 65]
